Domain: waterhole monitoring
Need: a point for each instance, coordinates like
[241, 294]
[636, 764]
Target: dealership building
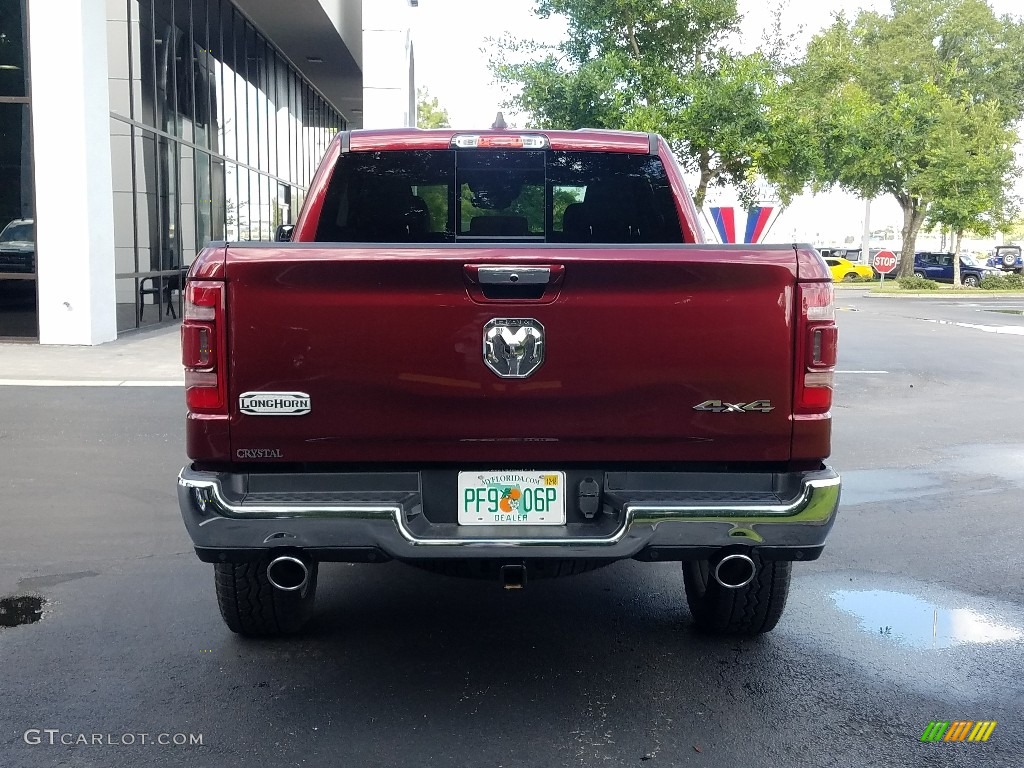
[133, 132]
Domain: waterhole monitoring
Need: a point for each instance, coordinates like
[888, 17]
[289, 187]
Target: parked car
[844, 270]
[939, 267]
[18, 246]
[1007, 258]
[503, 392]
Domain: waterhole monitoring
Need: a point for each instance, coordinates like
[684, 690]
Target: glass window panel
[18, 314]
[189, 201]
[163, 48]
[298, 198]
[225, 65]
[203, 74]
[283, 213]
[255, 217]
[241, 90]
[283, 152]
[252, 95]
[268, 203]
[170, 246]
[217, 202]
[118, 71]
[126, 290]
[204, 200]
[143, 62]
[147, 221]
[12, 51]
[232, 229]
[121, 155]
[187, 64]
[124, 197]
[259, 60]
[293, 128]
[271, 60]
[306, 146]
[244, 205]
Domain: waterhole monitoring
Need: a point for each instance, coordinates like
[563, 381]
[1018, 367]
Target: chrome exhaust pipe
[734, 571]
[288, 573]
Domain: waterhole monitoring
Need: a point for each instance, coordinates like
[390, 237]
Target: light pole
[865, 240]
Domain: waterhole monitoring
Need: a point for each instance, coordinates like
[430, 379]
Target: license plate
[511, 498]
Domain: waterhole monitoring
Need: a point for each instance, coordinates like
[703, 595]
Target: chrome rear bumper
[226, 520]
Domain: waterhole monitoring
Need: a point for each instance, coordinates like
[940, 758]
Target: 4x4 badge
[717, 406]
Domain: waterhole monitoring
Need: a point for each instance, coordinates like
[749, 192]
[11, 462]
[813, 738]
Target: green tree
[429, 112]
[971, 168]
[649, 65]
[879, 87]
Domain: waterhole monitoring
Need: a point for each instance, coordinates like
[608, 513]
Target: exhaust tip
[287, 573]
[735, 571]
[513, 576]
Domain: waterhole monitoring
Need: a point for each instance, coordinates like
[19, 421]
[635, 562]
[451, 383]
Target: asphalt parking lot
[915, 612]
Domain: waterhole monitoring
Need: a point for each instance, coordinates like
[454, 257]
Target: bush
[915, 283]
[1007, 282]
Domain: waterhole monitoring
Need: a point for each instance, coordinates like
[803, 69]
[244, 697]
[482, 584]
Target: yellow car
[844, 271]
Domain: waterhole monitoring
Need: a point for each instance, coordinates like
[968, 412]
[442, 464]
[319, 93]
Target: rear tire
[747, 611]
[250, 606]
[849, 277]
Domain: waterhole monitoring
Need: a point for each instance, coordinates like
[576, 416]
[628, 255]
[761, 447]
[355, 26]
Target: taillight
[202, 347]
[816, 348]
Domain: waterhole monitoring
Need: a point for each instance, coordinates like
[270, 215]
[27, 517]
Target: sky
[454, 40]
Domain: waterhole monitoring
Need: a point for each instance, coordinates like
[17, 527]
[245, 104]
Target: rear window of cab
[499, 196]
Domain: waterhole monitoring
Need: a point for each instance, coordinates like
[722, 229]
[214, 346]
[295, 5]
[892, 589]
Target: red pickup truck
[509, 355]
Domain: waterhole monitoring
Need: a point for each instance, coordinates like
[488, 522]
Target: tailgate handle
[514, 275]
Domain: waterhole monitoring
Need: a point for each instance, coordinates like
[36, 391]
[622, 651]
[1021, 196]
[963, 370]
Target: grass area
[890, 288]
[1003, 285]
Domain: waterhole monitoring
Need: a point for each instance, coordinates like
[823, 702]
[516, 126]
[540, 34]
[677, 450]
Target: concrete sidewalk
[149, 358]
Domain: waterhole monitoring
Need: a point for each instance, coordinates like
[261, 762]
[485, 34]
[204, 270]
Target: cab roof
[582, 140]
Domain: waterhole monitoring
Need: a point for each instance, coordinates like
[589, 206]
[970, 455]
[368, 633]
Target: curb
[967, 293]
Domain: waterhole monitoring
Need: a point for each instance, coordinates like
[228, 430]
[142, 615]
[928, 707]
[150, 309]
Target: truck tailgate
[387, 343]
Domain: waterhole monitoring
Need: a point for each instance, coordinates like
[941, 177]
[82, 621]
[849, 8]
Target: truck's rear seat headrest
[611, 213]
[499, 226]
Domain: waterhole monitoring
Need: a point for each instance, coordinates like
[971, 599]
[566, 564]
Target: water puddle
[1003, 461]
[15, 611]
[912, 621]
[866, 486]
[1018, 312]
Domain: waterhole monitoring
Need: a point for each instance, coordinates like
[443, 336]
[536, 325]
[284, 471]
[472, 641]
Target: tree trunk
[956, 259]
[706, 176]
[913, 217]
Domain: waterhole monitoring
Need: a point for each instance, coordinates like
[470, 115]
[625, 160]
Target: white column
[387, 63]
[74, 190]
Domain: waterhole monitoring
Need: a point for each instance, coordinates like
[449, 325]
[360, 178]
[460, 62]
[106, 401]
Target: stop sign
[885, 262]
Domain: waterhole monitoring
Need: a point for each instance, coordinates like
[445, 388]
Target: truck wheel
[749, 610]
[919, 274]
[971, 281]
[250, 606]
